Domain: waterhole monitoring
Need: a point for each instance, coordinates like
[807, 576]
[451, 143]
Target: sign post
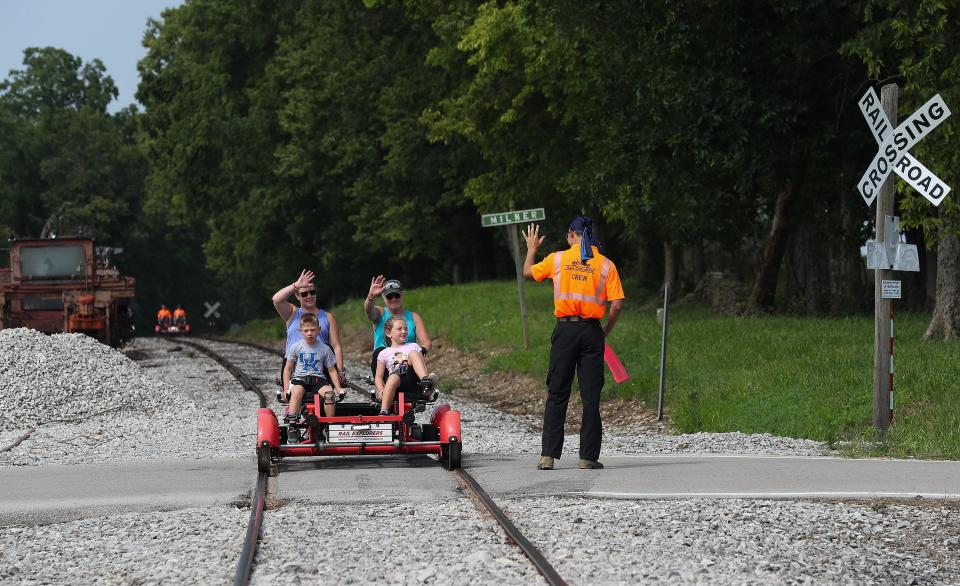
[509, 221]
[887, 254]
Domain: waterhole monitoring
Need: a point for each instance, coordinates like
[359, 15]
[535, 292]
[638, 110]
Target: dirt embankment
[464, 375]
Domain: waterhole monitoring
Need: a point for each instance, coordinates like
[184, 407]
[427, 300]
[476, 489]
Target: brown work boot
[590, 465]
[546, 463]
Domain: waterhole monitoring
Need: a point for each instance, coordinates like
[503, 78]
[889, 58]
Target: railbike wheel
[263, 458]
[450, 455]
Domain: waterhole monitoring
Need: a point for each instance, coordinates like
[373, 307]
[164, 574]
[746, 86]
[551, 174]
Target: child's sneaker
[428, 385]
[293, 435]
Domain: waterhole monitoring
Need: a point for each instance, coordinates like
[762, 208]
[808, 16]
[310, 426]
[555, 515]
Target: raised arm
[280, 303]
[423, 336]
[533, 239]
[370, 308]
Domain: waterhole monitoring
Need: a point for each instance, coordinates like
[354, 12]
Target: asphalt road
[49, 494]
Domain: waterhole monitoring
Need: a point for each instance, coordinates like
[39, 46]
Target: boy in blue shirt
[311, 367]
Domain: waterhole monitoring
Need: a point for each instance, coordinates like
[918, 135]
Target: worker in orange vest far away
[179, 317]
[163, 316]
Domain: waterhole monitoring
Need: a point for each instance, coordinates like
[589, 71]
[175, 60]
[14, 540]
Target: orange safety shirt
[163, 313]
[179, 313]
[580, 288]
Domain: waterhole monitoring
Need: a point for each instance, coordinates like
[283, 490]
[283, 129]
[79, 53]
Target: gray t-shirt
[311, 360]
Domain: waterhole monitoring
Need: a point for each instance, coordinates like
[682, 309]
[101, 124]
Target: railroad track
[465, 479]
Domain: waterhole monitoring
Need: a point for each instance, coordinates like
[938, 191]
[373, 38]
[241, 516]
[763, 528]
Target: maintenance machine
[67, 285]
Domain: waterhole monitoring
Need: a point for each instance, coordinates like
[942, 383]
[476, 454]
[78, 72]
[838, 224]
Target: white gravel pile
[702, 541]
[69, 376]
[74, 400]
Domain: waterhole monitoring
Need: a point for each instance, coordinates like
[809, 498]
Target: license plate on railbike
[369, 433]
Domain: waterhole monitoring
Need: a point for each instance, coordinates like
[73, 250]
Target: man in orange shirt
[179, 317]
[164, 317]
[584, 281]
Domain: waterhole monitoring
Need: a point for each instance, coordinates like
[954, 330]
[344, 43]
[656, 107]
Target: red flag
[613, 363]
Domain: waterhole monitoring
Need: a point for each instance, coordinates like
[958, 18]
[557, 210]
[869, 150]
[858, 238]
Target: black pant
[575, 346]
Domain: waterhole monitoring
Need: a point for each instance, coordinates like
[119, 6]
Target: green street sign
[517, 217]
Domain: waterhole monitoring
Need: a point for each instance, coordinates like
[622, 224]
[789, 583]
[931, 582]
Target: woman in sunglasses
[306, 294]
[392, 292]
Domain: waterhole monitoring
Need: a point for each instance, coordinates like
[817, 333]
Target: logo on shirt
[309, 364]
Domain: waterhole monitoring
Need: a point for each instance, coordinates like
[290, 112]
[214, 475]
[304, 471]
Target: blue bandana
[584, 225]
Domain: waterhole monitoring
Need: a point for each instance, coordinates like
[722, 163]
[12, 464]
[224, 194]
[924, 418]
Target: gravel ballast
[700, 541]
[174, 402]
[441, 542]
[190, 546]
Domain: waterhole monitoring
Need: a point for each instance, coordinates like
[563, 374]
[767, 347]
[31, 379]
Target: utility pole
[518, 266]
[882, 365]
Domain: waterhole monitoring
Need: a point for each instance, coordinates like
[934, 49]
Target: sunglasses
[309, 293]
[391, 296]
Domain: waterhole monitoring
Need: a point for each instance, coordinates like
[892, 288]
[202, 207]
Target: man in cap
[392, 292]
[584, 282]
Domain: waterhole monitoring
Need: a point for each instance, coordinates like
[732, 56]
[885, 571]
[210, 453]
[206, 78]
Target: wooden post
[881, 320]
[518, 265]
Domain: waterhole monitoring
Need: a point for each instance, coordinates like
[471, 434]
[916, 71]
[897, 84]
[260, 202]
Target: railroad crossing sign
[893, 144]
[517, 217]
[212, 309]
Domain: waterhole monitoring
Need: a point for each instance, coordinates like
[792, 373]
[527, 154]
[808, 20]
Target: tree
[63, 152]
[914, 41]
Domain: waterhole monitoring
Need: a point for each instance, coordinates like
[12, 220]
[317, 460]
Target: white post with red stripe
[890, 418]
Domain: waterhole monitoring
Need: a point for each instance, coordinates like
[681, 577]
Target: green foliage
[915, 41]
[61, 155]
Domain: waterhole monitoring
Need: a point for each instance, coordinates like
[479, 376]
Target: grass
[260, 330]
[792, 376]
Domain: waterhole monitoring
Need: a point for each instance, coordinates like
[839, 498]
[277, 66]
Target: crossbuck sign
[894, 144]
[212, 309]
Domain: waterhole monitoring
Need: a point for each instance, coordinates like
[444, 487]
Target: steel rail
[539, 561]
[238, 374]
[252, 538]
[514, 535]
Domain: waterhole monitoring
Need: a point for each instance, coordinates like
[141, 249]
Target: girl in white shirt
[400, 366]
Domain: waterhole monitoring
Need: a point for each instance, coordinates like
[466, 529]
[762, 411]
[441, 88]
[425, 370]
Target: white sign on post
[212, 309]
[890, 289]
[894, 144]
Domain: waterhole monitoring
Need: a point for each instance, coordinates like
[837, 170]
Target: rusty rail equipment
[66, 285]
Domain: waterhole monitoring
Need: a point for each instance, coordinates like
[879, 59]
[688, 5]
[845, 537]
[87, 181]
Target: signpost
[211, 315]
[508, 220]
[887, 253]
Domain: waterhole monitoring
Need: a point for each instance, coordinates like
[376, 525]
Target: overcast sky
[109, 30]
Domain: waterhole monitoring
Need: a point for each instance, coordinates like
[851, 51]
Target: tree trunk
[765, 287]
[945, 324]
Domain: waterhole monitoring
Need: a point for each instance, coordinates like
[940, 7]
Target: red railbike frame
[444, 418]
